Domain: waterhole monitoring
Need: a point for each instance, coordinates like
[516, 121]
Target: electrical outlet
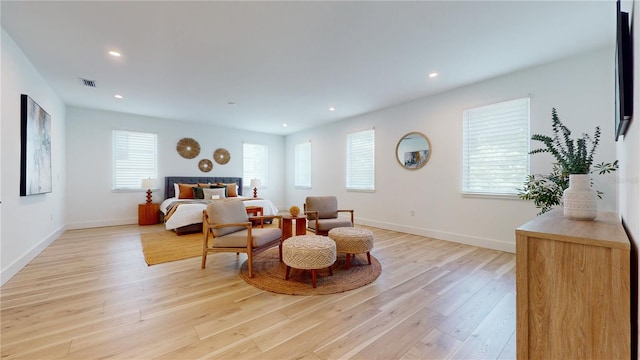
[413, 213]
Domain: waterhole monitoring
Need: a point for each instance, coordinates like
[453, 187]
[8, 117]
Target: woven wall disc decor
[188, 148]
[221, 156]
[205, 165]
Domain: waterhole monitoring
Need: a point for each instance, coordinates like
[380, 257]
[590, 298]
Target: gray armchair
[228, 224]
[323, 214]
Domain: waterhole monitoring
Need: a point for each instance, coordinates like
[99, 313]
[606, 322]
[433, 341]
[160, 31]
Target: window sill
[491, 196]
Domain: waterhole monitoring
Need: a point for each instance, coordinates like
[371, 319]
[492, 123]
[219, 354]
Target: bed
[186, 214]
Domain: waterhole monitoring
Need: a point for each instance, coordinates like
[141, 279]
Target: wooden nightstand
[148, 214]
[256, 211]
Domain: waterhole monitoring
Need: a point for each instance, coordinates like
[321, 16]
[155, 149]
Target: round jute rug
[269, 273]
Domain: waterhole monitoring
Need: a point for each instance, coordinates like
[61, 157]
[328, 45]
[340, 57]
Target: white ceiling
[288, 62]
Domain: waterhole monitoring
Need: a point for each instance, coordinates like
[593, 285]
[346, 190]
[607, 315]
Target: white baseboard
[101, 223]
[11, 270]
[441, 235]
[20, 263]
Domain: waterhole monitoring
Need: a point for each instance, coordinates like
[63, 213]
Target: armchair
[229, 226]
[323, 214]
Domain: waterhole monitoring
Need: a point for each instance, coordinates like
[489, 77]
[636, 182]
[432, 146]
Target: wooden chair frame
[249, 249]
[317, 230]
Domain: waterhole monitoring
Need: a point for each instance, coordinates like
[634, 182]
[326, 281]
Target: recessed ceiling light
[433, 74]
[332, 109]
[114, 53]
[117, 96]
[284, 125]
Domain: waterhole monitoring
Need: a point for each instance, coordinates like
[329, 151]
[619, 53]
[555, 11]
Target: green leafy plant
[572, 157]
[545, 190]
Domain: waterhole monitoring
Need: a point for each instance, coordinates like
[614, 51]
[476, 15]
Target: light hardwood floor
[90, 295]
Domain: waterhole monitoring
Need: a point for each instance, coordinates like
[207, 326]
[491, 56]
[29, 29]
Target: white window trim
[302, 150]
[146, 166]
[351, 184]
[259, 170]
[482, 114]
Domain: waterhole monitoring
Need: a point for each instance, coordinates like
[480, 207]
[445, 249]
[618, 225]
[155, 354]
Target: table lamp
[255, 184]
[149, 184]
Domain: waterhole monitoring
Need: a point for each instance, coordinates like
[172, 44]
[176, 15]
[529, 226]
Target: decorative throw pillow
[186, 191]
[232, 189]
[198, 192]
[210, 193]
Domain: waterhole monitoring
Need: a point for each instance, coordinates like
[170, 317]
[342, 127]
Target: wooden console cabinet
[572, 283]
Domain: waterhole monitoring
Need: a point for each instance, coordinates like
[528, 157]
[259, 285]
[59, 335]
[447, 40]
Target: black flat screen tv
[624, 73]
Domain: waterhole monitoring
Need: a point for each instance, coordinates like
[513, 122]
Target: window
[495, 148]
[302, 165]
[361, 160]
[134, 158]
[255, 163]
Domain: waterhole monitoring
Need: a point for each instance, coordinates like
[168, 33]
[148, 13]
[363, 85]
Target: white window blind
[134, 158]
[255, 161]
[302, 165]
[361, 160]
[496, 148]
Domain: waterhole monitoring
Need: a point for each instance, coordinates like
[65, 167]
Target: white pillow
[176, 190]
[218, 192]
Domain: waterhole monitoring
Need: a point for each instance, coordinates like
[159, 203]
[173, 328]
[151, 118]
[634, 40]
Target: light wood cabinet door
[573, 295]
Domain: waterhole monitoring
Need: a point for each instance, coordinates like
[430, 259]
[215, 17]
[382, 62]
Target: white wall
[582, 90]
[628, 151]
[29, 223]
[91, 201]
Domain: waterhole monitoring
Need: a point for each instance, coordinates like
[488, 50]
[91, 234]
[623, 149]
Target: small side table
[287, 225]
[148, 214]
[256, 211]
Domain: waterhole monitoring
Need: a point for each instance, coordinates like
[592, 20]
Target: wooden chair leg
[313, 277]
[369, 257]
[250, 261]
[204, 249]
[286, 275]
[348, 261]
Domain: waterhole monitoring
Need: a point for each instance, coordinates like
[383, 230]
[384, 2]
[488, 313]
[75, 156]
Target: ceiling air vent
[89, 83]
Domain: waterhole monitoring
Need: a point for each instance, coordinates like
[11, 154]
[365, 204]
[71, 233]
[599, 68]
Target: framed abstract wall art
[35, 148]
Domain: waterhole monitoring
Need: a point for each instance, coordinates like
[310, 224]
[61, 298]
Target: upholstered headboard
[169, 190]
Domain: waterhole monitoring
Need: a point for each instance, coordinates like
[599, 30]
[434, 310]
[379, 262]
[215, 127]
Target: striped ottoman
[351, 240]
[309, 252]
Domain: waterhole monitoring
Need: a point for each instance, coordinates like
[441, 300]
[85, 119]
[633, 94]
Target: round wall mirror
[413, 150]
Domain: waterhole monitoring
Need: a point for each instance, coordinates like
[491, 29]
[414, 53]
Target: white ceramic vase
[580, 201]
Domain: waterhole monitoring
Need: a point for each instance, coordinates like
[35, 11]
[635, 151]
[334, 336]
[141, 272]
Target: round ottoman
[351, 240]
[309, 252]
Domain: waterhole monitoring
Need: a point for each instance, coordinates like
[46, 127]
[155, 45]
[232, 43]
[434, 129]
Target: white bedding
[187, 214]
